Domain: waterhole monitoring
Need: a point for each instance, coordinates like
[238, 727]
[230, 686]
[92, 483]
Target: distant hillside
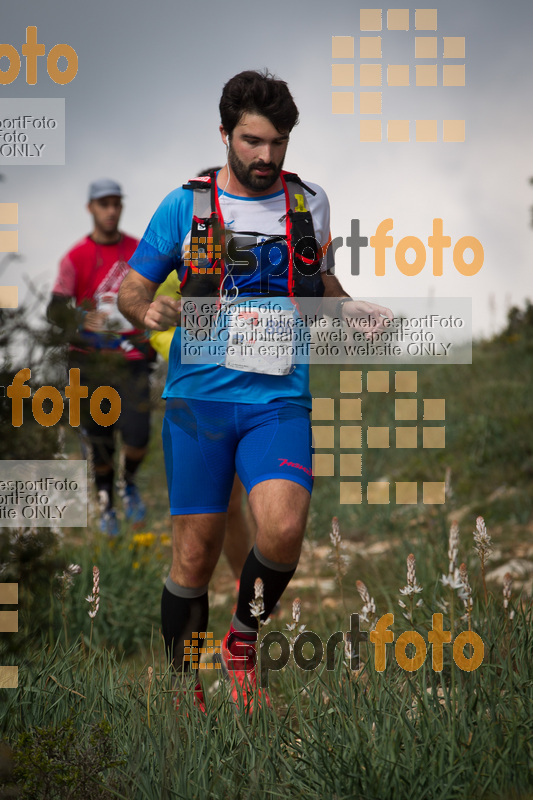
[488, 431]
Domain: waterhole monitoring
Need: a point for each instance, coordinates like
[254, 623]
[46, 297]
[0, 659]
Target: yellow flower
[165, 540]
[144, 539]
[136, 565]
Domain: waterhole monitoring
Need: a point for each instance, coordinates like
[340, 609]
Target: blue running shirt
[257, 224]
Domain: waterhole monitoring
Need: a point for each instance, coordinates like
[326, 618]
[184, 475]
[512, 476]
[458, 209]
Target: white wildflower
[483, 547]
[296, 612]
[66, 579]
[483, 542]
[339, 559]
[351, 655]
[257, 605]
[103, 501]
[94, 598]
[294, 626]
[412, 587]
[465, 592]
[368, 612]
[335, 534]
[453, 580]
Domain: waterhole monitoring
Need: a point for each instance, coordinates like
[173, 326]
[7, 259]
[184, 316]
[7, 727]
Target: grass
[86, 720]
[336, 733]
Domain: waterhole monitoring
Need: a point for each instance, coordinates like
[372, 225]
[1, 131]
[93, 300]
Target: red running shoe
[239, 660]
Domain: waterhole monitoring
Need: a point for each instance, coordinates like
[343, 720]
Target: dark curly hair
[257, 93]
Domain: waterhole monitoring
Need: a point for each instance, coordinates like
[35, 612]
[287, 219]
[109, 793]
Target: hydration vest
[205, 259]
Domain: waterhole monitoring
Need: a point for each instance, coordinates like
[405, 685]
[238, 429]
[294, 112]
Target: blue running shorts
[205, 442]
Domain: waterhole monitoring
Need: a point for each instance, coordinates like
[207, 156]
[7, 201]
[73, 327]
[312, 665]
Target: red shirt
[91, 273]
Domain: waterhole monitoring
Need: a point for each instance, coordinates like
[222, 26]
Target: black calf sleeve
[275, 578]
[183, 611]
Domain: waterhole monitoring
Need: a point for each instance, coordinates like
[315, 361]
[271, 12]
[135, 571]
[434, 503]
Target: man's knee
[192, 569]
[197, 544]
[281, 540]
[193, 566]
[281, 507]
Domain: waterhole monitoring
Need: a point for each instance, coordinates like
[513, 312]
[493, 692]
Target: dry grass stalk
[466, 594]
[453, 578]
[150, 679]
[87, 453]
[340, 560]
[66, 688]
[448, 491]
[453, 548]
[66, 580]
[507, 584]
[94, 600]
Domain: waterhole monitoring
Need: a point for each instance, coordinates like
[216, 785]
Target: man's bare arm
[136, 302]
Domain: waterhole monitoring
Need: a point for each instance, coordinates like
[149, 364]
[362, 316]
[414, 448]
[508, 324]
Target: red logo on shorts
[286, 462]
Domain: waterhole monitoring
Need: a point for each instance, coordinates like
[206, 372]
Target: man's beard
[248, 178]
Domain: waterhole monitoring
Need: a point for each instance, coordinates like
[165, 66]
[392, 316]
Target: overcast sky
[143, 110]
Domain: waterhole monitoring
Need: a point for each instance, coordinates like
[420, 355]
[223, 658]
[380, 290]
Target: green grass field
[93, 715]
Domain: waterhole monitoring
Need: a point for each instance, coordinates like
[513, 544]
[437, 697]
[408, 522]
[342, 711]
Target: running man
[238, 537]
[106, 349]
[225, 416]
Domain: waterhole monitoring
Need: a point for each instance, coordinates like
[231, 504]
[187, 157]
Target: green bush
[65, 761]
